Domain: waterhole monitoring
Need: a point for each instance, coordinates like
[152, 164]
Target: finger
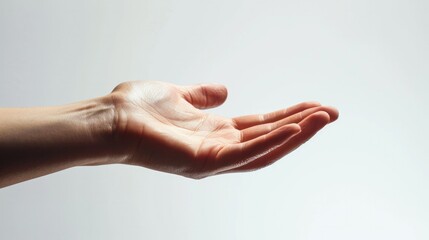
[205, 95]
[255, 131]
[252, 120]
[309, 127]
[239, 154]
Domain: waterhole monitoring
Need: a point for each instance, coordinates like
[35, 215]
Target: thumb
[204, 96]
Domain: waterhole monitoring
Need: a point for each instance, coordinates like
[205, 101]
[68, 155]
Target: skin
[152, 124]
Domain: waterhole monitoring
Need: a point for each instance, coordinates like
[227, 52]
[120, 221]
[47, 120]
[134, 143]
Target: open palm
[160, 126]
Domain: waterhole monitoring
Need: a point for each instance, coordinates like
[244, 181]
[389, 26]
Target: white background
[364, 177]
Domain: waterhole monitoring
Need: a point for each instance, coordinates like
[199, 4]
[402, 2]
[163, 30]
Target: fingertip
[219, 86]
[317, 119]
[331, 111]
[334, 114]
[223, 91]
[323, 116]
[217, 91]
[205, 96]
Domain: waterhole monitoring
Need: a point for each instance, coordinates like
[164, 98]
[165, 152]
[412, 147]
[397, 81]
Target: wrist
[88, 128]
[96, 117]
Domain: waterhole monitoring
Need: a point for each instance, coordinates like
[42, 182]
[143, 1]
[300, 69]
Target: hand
[160, 126]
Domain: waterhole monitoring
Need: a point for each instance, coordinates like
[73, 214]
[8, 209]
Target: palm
[169, 132]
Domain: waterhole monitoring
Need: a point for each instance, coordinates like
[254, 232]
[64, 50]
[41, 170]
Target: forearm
[38, 141]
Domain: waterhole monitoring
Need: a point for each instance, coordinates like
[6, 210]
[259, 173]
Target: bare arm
[38, 141]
